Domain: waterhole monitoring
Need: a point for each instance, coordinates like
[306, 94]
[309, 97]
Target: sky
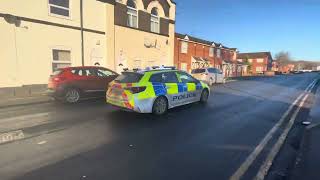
[255, 25]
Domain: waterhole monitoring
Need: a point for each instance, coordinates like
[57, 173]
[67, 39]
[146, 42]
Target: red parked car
[74, 83]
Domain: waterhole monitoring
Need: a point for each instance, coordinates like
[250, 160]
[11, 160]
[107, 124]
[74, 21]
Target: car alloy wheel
[160, 106]
[204, 96]
[72, 96]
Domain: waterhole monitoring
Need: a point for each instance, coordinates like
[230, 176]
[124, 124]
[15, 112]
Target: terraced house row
[38, 37]
[41, 36]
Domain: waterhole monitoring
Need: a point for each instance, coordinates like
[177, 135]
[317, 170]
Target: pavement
[308, 160]
[229, 138]
[21, 101]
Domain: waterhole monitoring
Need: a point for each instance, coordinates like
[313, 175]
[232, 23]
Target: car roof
[152, 71]
[81, 67]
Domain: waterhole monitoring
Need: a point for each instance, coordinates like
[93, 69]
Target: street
[95, 141]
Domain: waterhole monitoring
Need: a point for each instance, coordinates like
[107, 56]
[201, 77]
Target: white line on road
[276, 148]
[25, 121]
[24, 117]
[250, 159]
[42, 142]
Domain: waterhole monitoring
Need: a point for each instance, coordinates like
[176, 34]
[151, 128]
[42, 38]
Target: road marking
[11, 136]
[42, 142]
[276, 148]
[24, 117]
[250, 159]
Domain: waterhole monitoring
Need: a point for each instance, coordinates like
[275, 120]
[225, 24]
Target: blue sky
[255, 25]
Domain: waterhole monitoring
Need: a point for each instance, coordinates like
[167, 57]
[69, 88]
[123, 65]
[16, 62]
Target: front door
[166, 84]
[190, 88]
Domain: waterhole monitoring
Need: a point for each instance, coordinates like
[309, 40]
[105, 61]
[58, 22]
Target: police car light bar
[163, 67]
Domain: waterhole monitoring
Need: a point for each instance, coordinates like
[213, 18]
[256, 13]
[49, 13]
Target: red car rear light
[135, 90]
[58, 79]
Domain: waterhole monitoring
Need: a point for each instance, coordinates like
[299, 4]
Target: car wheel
[72, 96]
[204, 96]
[160, 106]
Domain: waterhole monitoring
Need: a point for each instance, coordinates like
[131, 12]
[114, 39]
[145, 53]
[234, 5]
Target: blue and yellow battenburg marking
[119, 94]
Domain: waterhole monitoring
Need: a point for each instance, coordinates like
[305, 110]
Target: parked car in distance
[155, 91]
[209, 75]
[72, 84]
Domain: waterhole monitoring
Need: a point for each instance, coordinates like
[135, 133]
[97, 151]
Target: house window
[211, 52]
[59, 7]
[132, 13]
[155, 21]
[218, 53]
[61, 59]
[259, 69]
[260, 60]
[184, 66]
[184, 47]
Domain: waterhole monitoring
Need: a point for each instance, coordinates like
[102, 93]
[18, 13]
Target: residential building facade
[40, 36]
[144, 33]
[258, 62]
[192, 53]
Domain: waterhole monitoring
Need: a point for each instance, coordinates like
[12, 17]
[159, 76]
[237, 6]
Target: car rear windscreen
[129, 77]
[56, 72]
[198, 71]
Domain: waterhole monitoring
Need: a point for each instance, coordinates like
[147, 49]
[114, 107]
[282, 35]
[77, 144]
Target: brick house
[282, 68]
[192, 53]
[259, 62]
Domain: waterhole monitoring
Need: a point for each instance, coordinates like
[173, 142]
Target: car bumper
[140, 106]
[54, 93]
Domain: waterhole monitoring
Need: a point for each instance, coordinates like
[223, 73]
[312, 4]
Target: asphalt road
[91, 140]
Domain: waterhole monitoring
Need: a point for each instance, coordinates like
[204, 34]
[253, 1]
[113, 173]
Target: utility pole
[81, 29]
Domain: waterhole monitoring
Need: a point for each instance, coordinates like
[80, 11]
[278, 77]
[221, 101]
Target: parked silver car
[209, 75]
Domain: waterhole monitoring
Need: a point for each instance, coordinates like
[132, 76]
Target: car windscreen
[129, 77]
[56, 72]
[198, 71]
[212, 70]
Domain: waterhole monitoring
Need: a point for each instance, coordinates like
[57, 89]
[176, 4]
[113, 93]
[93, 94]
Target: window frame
[260, 60]
[53, 61]
[61, 7]
[105, 69]
[152, 21]
[211, 52]
[162, 81]
[131, 15]
[219, 53]
[184, 73]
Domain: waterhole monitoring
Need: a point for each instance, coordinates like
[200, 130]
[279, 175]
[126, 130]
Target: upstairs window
[155, 21]
[218, 53]
[132, 14]
[211, 52]
[59, 8]
[184, 47]
[260, 60]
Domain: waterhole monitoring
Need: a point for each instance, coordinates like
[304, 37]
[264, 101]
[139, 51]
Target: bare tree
[283, 58]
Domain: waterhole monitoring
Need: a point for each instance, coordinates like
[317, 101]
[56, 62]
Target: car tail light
[58, 78]
[136, 90]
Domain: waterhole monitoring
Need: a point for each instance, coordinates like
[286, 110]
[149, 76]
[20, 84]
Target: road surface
[229, 138]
